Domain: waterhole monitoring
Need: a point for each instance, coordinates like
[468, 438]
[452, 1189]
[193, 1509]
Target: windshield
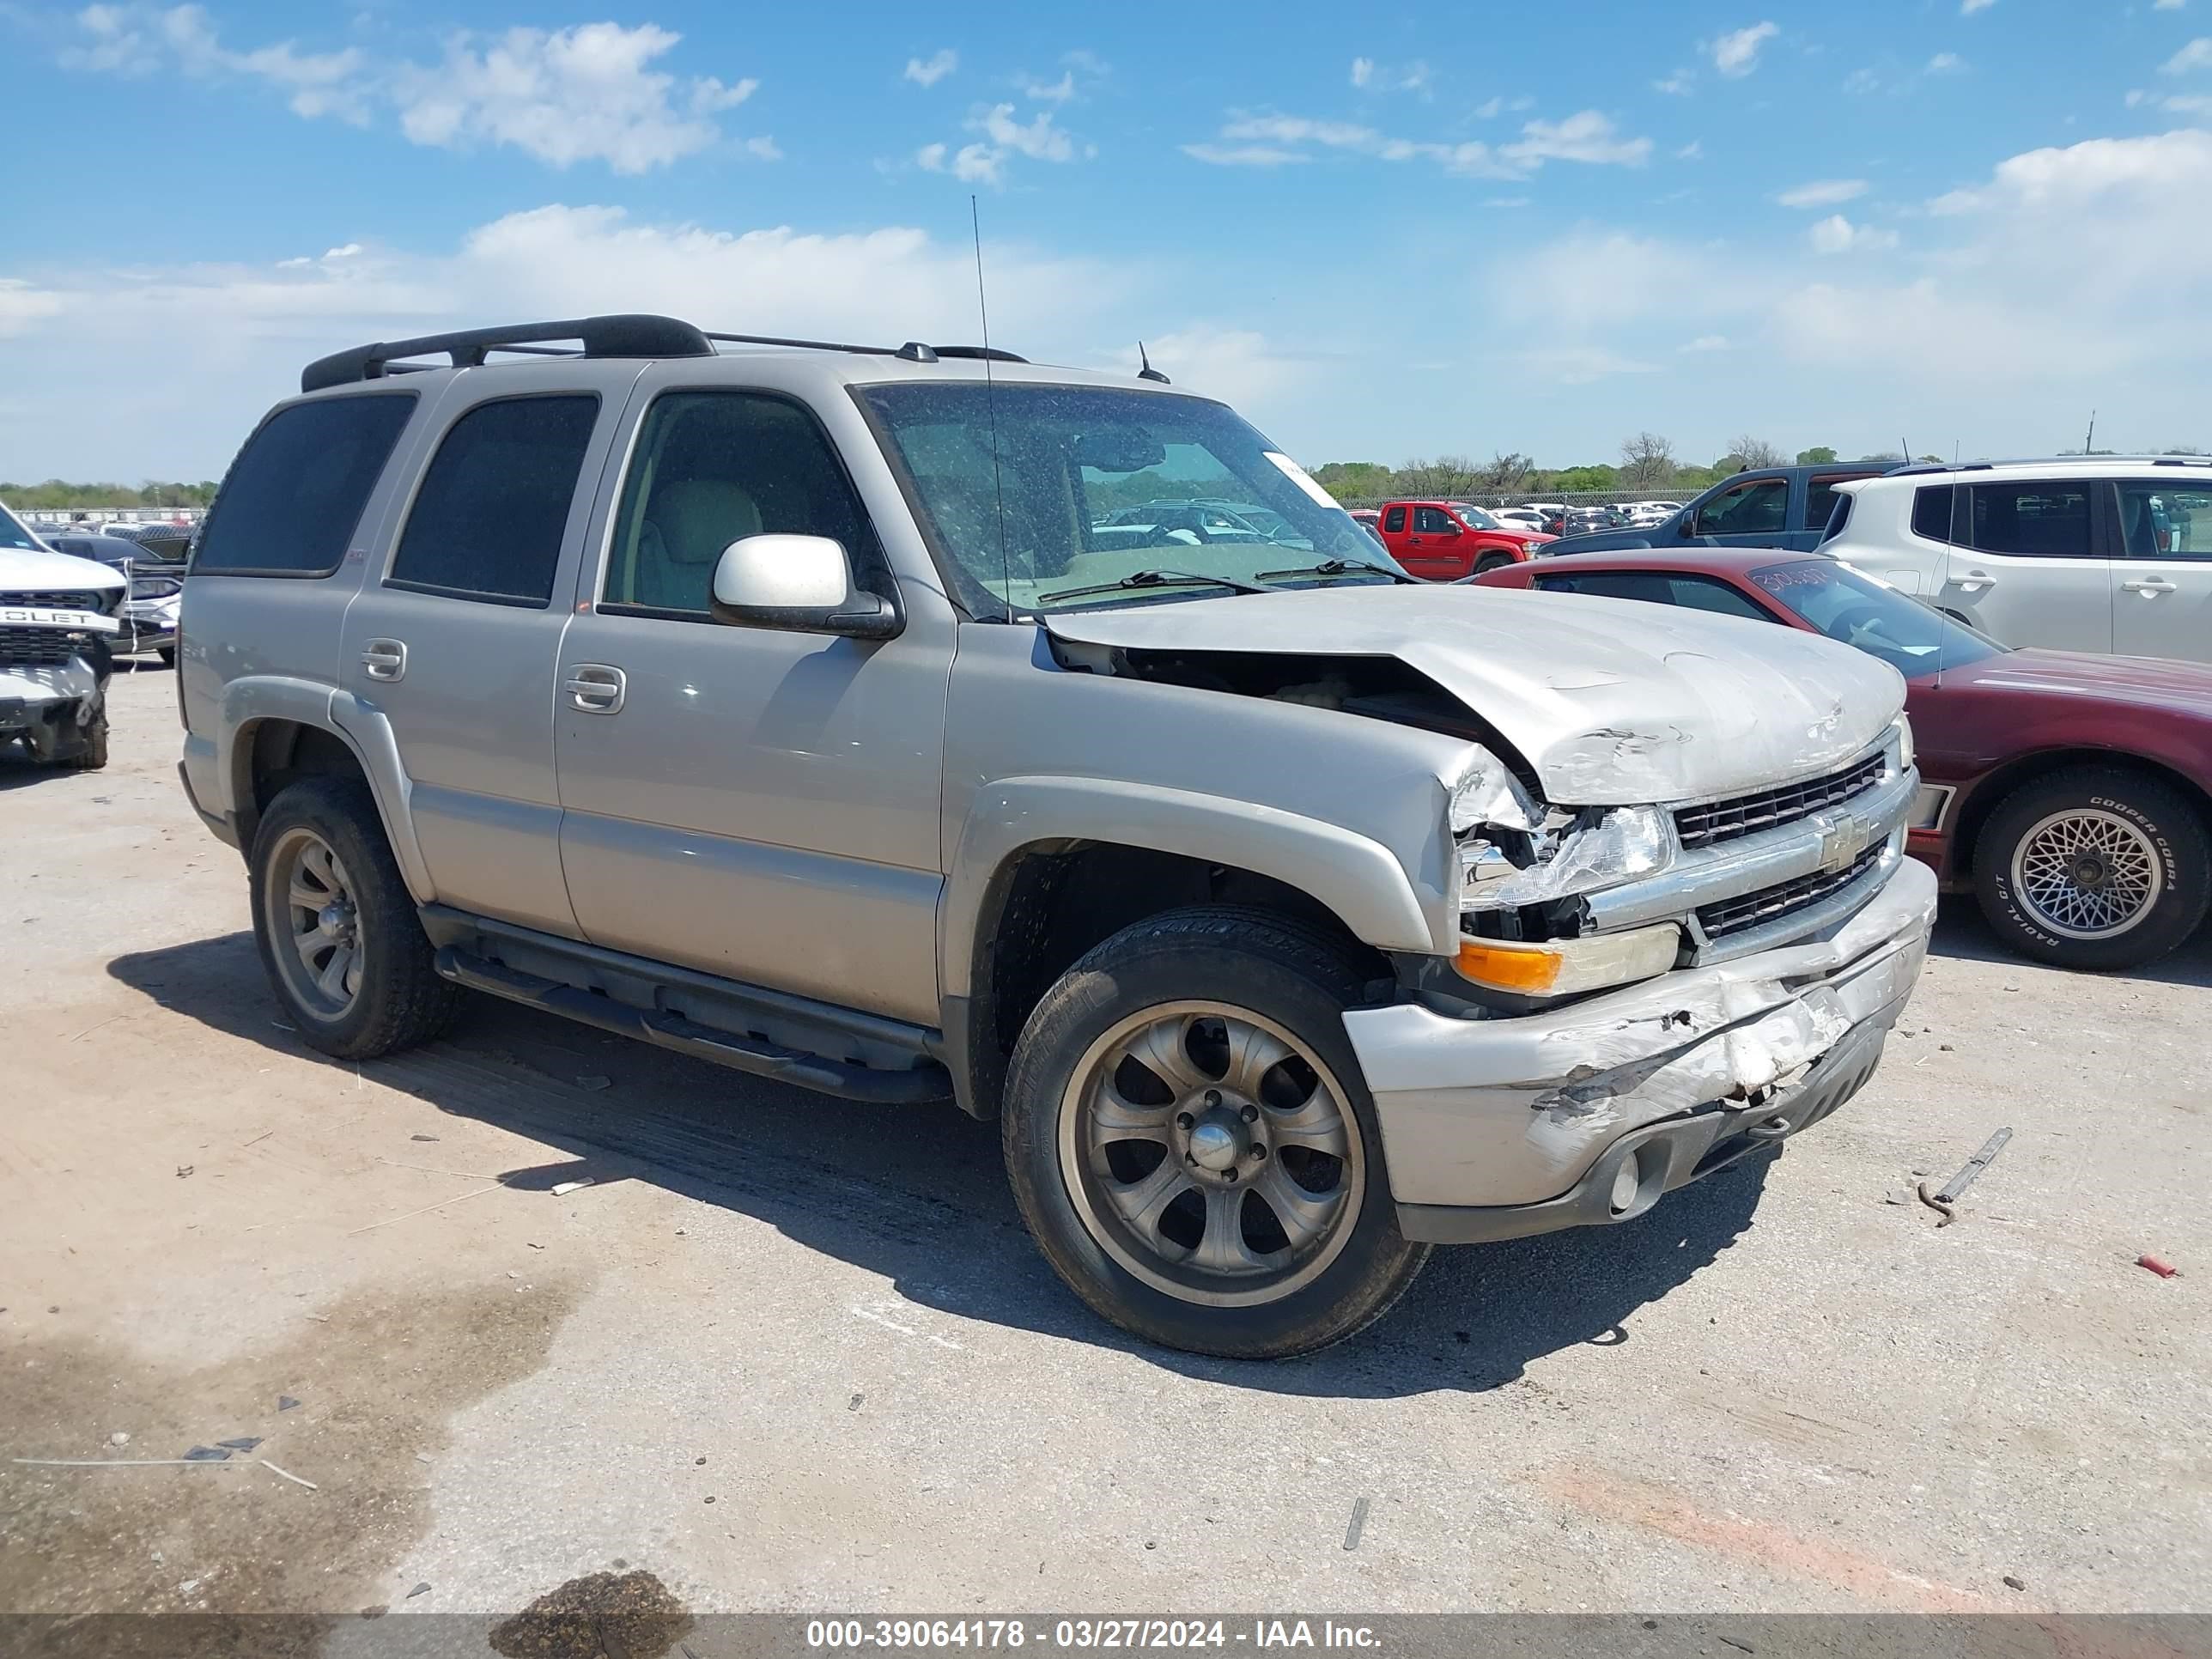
[12, 532]
[1474, 517]
[1849, 605]
[1098, 483]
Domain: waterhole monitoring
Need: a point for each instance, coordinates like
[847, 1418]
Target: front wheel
[2095, 867]
[1191, 1146]
[1490, 562]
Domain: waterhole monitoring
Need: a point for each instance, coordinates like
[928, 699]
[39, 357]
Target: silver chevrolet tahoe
[781, 703]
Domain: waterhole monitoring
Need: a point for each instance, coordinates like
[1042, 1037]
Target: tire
[1259, 980]
[1490, 562]
[90, 755]
[387, 996]
[168, 653]
[2095, 867]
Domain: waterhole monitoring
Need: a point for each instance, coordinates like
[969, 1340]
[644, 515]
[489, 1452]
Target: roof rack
[629, 335]
[622, 336]
[2051, 460]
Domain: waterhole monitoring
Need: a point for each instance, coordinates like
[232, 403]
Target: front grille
[57, 599]
[1733, 915]
[1747, 815]
[37, 648]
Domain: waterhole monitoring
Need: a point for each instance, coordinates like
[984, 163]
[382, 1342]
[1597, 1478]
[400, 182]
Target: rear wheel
[338, 933]
[2095, 867]
[1190, 1142]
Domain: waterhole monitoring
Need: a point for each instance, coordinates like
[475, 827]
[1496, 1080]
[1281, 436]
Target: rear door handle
[2148, 584]
[596, 688]
[1973, 581]
[385, 659]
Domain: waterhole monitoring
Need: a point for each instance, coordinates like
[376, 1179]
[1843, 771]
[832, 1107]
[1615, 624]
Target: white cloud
[2168, 5]
[2196, 104]
[590, 93]
[1968, 7]
[1050, 92]
[1861, 81]
[1677, 85]
[979, 164]
[1692, 151]
[2197, 55]
[1037, 139]
[1735, 54]
[1823, 193]
[1368, 76]
[1837, 234]
[1587, 136]
[1002, 137]
[139, 40]
[764, 148]
[1237, 365]
[1269, 140]
[1244, 155]
[1488, 108]
[1705, 343]
[928, 71]
[1946, 62]
[930, 158]
[1363, 72]
[235, 337]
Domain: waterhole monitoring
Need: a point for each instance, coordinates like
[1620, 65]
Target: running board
[845, 1079]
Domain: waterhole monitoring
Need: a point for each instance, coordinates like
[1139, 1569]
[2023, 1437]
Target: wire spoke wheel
[1211, 1153]
[2087, 874]
[315, 924]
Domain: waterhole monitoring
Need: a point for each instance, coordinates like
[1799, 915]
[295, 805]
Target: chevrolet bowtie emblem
[1844, 837]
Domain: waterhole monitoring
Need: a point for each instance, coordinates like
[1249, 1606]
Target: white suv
[2098, 554]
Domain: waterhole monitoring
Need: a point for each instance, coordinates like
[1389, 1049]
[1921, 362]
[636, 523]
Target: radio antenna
[991, 402]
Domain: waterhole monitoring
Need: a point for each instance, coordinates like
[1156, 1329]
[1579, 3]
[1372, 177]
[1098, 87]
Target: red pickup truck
[1445, 540]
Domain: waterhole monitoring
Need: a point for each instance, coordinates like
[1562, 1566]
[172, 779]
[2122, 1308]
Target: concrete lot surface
[785, 1352]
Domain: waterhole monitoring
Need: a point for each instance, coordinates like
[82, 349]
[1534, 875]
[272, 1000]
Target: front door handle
[1973, 581]
[596, 688]
[2148, 584]
[385, 659]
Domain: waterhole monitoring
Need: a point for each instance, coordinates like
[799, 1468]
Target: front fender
[1358, 879]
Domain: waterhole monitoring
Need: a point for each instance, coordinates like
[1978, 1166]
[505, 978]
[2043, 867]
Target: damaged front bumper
[1500, 1128]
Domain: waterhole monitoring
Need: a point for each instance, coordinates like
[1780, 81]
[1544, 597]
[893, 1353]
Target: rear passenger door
[455, 637]
[2162, 566]
[2024, 563]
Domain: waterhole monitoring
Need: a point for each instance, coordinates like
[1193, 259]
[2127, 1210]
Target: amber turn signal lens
[1532, 972]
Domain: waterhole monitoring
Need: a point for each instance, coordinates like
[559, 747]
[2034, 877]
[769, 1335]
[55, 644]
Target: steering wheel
[1845, 625]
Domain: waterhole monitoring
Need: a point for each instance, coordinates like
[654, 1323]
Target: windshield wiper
[1153, 579]
[1343, 567]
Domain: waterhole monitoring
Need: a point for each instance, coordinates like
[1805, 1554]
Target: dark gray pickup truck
[1765, 507]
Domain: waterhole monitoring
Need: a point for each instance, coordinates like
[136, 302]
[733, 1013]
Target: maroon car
[2071, 792]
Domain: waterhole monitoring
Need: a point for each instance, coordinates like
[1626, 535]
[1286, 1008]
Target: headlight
[1488, 792]
[155, 587]
[1601, 847]
[1903, 727]
[1529, 548]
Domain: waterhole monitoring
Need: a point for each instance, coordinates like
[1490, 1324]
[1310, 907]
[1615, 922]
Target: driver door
[1432, 546]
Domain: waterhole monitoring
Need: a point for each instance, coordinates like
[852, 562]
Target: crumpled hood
[23, 569]
[1613, 703]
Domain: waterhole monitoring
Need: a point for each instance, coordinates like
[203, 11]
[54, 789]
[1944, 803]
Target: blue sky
[1427, 229]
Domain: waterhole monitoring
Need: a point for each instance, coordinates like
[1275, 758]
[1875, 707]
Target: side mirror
[804, 583]
[1685, 526]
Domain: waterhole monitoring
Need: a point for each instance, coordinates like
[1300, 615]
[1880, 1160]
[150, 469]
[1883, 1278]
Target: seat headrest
[697, 517]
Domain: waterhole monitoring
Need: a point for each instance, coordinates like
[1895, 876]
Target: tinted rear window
[1931, 512]
[488, 522]
[295, 493]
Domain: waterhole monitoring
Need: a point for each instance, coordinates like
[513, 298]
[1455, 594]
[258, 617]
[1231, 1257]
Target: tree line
[56, 494]
[1648, 462]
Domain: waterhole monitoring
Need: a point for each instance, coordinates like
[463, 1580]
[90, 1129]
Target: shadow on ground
[918, 1194]
[1962, 932]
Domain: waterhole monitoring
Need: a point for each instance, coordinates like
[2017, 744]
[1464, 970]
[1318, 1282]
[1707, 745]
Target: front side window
[297, 491]
[1022, 528]
[1849, 605]
[2039, 520]
[14, 532]
[715, 467]
[489, 519]
[1434, 521]
[1759, 507]
[2156, 519]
